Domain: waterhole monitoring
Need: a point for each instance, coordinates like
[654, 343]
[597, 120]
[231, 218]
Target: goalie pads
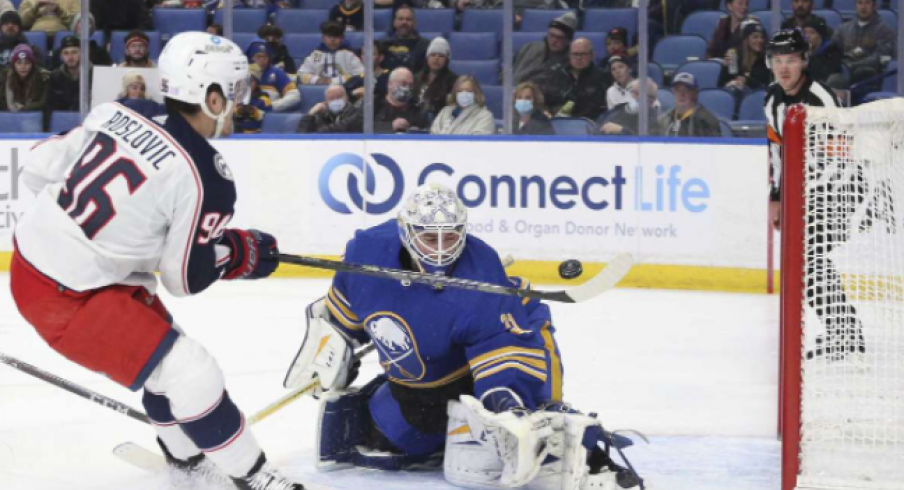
[554, 457]
[325, 354]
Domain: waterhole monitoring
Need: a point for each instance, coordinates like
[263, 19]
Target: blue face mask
[524, 106]
[464, 99]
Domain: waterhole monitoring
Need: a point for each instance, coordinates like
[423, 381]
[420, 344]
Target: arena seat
[481, 20]
[673, 51]
[706, 72]
[37, 38]
[537, 20]
[311, 95]
[21, 122]
[435, 20]
[493, 94]
[519, 39]
[173, 21]
[752, 107]
[573, 126]
[654, 71]
[765, 18]
[64, 121]
[301, 45]
[473, 46]
[356, 39]
[243, 20]
[847, 8]
[890, 82]
[243, 39]
[604, 20]
[701, 23]
[280, 123]
[485, 71]
[890, 18]
[832, 17]
[719, 102]
[666, 100]
[382, 20]
[300, 21]
[725, 127]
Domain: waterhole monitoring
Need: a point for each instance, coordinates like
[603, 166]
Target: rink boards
[693, 214]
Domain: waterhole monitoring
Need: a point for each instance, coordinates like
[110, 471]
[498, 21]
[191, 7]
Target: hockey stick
[607, 279]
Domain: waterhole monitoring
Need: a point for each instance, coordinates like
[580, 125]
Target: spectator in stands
[803, 13]
[433, 84]
[752, 71]
[580, 83]
[405, 47]
[249, 118]
[625, 119]
[867, 44]
[63, 87]
[466, 111]
[618, 92]
[617, 45]
[542, 57]
[825, 56]
[333, 62]
[137, 54]
[726, 37]
[24, 84]
[336, 114]
[121, 15]
[355, 85]
[688, 117]
[134, 96]
[420, 4]
[48, 16]
[97, 54]
[349, 13]
[11, 36]
[530, 117]
[279, 87]
[281, 57]
[216, 30]
[398, 112]
[607, 4]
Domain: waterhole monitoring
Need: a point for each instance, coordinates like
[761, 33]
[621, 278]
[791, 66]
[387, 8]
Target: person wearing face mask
[529, 116]
[625, 119]
[273, 35]
[397, 112]
[333, 62]
[466, 112]
[336, 114]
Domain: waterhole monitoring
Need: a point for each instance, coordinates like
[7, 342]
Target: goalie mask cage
[842, 305]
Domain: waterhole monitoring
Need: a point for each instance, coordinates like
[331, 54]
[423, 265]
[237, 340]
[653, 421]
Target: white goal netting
[852, 406]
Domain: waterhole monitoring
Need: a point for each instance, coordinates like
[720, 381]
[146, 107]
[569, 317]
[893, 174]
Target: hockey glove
[254, 254]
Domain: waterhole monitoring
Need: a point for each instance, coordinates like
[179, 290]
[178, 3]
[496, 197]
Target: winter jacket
[825, 61]
[586, 89]
[474, 120]
[792, 23]
[385, 113]
[629, 122]
[758, 77]
[336, 66]
[538, 124]
[533, 59]
[349, 120]
[695, 122]
[34, 19]
[875, 39]
[724, 38]
[282, 58]
[97, 55]
[62, 91]
[249, 119]
[411, 53]
[352, 19]
[38, 94]
[432, 97]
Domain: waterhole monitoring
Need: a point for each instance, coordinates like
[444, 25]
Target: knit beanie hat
[131, 77]
[567, 23]
[22, 52]
[136, 36]
[818, 25]
[78, 17]
[11, 17]
[441, 46]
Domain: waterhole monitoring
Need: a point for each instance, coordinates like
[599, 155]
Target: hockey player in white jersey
[122, 197]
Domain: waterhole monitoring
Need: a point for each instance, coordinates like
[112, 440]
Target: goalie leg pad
[386, 412]
[324, 353]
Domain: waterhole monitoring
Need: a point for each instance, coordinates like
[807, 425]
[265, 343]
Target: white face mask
[633, 106]
[336, 105]
[464, 99]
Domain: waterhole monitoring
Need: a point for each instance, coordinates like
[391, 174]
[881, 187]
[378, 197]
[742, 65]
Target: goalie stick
[607, 279]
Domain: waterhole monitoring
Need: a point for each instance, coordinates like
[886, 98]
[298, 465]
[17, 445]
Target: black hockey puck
[570, 269]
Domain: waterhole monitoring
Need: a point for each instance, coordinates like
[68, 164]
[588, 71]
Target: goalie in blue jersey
[471, 380]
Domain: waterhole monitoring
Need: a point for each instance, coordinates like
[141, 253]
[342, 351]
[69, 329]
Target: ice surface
[695, 371]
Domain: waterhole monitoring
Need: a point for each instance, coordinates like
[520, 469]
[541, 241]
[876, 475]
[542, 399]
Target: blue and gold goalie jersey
[431, 338]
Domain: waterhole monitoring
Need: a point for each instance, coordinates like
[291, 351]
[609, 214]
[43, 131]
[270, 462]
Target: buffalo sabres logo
[221, 167]
[399, 354]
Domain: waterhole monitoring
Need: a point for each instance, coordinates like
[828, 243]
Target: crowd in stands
[571, 65]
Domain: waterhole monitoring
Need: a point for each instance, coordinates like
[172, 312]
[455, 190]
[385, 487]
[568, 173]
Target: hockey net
[843, 297]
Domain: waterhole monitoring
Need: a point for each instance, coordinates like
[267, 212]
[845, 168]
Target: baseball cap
[685, 78]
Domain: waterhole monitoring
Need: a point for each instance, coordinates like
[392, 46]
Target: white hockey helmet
[192, 62]
[433, 226]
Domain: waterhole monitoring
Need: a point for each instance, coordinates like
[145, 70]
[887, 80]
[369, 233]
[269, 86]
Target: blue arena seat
[573, 126]
[64, 121]
[243, 39]
[301, 45]
[752, 107]
[753, 5]
[58, 38]
[765, 18]
[356, 39]
[118, 46]
[21, 122]
[317, 4]
[493, 94]
[832, 17]
[243, 20]
[432, 35]
[874, 96]
[654, 71]
[666, 100]
[173, 21]
[485, 71]
[725, 127]
[672, 51]
[519, 39]
[311, 95]
[719, 102]
[280, 123]
[537, 20]
[598, 39]
[890, 82]
[301, 21]
[706, 72]
[847, 8]
[472, 46]
[382, 20]
[604, 20]
[37, 38]
[481, 20]
[890, 18]
[435, 20]
[701, 23]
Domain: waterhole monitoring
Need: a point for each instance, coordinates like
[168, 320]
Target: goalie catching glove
[325, 355]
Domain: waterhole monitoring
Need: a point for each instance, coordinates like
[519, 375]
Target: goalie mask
[433, 227]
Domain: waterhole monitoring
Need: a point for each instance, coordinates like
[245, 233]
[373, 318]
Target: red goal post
[842, 298]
